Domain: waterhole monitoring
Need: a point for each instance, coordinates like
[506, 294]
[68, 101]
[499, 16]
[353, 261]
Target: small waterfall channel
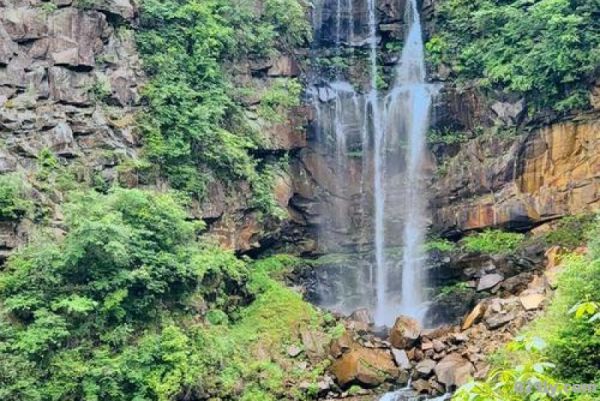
[373, 136]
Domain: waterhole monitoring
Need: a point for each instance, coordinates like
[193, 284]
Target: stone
[532, 301]
[489, 281]
[426, 345]
[405, 332]
[24, 24]
[425, 367]
[501, 311]
[284, 66]
[362, 315]
[315, 344]
[473, 317]
[421, 386]
[438, 346]
[122, 8]
[69, 86]
[553, 256]
[401, 358]
[453, 371]
[367, 367]
[509, 113]
[294, 351]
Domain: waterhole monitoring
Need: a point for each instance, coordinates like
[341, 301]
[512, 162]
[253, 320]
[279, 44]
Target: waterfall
[389, 196]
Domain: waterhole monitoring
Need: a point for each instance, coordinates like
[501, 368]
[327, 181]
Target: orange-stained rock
[491, 182]
[473, 317]
[553, 256]
[405, 333]
[367, 366]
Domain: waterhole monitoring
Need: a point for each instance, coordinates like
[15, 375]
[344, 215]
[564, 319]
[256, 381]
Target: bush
[441, 245]
[493, 241]
[14, 202]
[545, 50]
[571, 231]
[130, 306]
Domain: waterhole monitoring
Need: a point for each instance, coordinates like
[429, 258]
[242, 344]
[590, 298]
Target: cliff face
[520, 182]
[70, 82]
[56, 60]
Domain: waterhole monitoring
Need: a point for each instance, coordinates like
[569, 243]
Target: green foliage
[129, 306]
[195, 128]
[14, 200]
[570, 232]
[283, 94]
[493, 241]
[508, 384]
[88, 316]
[445, 137]
[546, 50]
[568, 336]
[458, 288]
[440, 245]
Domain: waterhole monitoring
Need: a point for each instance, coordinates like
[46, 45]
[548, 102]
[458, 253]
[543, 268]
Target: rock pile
[436, 360]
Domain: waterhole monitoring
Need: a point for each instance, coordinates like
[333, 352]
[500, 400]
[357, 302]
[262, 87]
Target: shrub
[571, 231]
[14, 202]
[545, 50]
[504, 384]
[440, 244]
[493, 241]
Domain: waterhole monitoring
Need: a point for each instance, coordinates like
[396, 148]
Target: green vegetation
[493, 241]
[445, 137]
[570, 232]
[283, 94]
[195, 128]
[545, 50]
[457, 288]
[14, 201]
[113, 311]
[440, 244]
[567, 337]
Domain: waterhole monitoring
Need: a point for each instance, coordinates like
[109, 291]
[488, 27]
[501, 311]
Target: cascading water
[389, 198]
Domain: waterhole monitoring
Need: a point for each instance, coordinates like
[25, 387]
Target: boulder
[362, 315]
[364, 366]
[421, 386]
[315, 344]
[489, 281]
[454, 371]
[405, 333]
[401, 358]
[532, 301]
[294, 351]
[501, 311]
[473, 317]
[425, 367]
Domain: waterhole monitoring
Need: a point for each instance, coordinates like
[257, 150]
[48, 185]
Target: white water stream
[391, 130]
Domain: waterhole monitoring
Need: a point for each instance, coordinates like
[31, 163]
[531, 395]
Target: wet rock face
[518, 183]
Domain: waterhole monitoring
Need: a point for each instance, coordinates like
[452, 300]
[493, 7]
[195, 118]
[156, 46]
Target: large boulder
[454, 371]
[489, 281]
[368, 367]
[405, 333]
